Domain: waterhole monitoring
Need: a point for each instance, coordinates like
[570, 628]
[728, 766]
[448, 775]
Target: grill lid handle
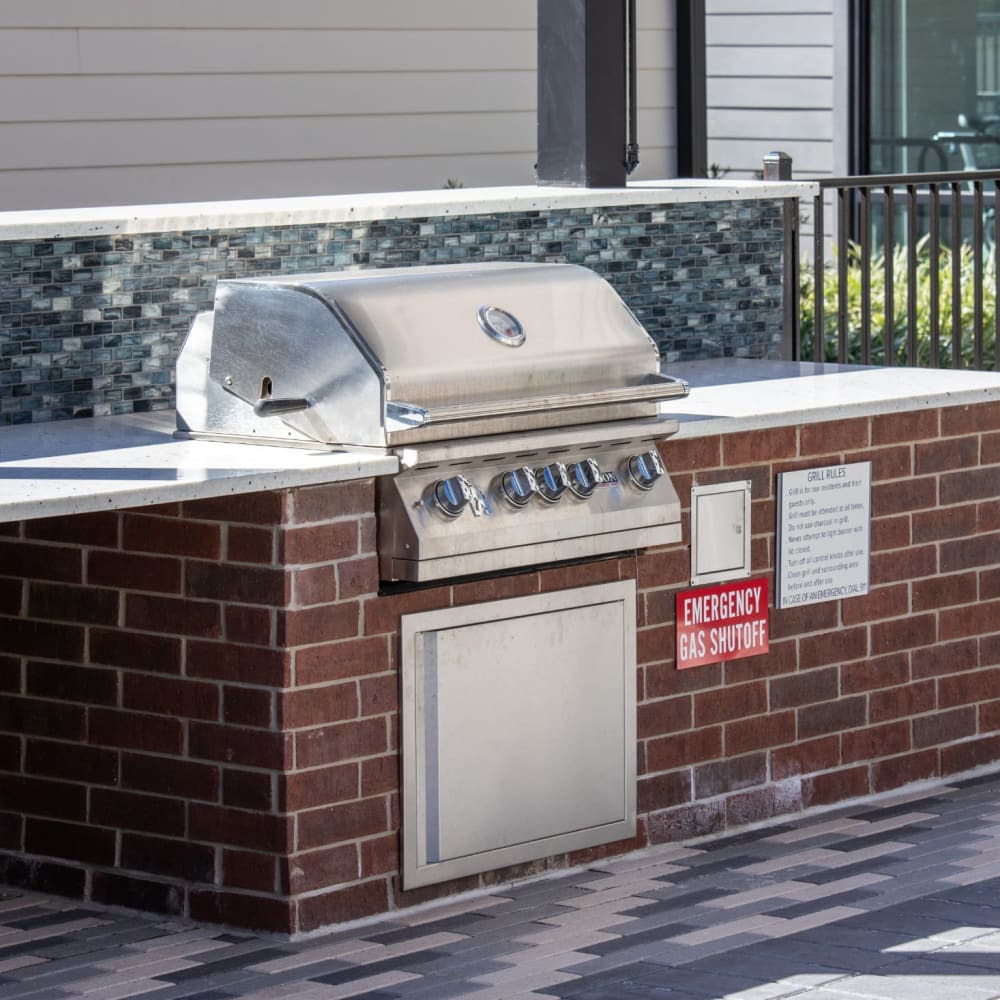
[657, 388]
[404, 415]
[268, 407]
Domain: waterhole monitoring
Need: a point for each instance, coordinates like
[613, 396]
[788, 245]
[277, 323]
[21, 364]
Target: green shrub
[877, 356]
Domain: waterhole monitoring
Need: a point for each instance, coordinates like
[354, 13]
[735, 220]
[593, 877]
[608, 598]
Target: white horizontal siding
[308, 14]
[289, 138]
[198, 95]
[773, 123]
[784, 28]
[153, 183]
[116, 101]
[216, 50]
[210, 141]
[239, 139]
[788, 63]
[809, 159]
[772, 6]
[656, 91]
[771, 93]
[770, 84]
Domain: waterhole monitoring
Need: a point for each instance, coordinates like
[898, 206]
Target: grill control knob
[452, 496]
[645, 469]
[583, 478]
[552, 481]
[518, 486]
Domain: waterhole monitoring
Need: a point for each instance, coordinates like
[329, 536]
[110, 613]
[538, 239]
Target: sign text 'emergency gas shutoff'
[726, 622]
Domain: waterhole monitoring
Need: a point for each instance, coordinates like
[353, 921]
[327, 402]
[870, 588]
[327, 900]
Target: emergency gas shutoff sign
[725, 622]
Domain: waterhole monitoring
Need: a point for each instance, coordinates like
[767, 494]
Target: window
[933, 71]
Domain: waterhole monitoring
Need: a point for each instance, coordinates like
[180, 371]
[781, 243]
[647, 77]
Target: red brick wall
[855, 696]
[199, 702]
[140, 675]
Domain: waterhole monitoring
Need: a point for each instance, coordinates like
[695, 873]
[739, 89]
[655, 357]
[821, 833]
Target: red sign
[726, 622]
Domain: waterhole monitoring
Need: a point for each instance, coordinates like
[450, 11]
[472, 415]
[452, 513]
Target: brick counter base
[199, 703]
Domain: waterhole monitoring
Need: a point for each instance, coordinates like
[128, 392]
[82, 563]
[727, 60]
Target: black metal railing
[913, 277]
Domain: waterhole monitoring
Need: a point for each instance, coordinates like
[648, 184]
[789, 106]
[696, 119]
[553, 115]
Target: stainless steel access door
[518, 730]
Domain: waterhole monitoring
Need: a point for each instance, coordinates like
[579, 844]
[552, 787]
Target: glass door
[934, 85]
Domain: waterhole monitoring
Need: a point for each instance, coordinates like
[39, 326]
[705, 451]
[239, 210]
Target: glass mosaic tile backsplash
[91, 327]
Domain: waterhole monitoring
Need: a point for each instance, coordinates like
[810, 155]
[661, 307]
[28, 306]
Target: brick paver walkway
[898, 898]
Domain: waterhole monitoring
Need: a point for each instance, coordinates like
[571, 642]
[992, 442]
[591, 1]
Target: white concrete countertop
[738, 394]
[127, 220]
[110, 463]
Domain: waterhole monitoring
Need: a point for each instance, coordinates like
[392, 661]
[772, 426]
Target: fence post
[778, 167]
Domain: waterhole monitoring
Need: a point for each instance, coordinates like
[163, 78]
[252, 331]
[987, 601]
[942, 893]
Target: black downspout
[859, 106]
[859, 96]
[632, 149]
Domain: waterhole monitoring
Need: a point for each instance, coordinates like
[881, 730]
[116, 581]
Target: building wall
[199, 702]
[91, 327]
[113, 102]
[772, 70]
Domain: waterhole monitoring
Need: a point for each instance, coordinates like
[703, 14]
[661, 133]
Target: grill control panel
[480, 515]
[548, 483]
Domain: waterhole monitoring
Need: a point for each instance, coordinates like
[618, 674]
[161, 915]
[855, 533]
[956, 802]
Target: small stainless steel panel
[518, 730]
[283, 343]
[536, 554]
[205, 409]
[720, 531]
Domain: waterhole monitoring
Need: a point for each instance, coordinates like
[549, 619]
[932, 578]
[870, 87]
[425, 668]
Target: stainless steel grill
[522, 400]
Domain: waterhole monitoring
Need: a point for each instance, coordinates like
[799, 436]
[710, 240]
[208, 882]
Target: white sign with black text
[824, 534]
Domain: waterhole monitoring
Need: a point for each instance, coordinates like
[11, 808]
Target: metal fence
[902, 271]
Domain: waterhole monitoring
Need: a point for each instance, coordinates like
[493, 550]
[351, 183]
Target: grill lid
[388, 357]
